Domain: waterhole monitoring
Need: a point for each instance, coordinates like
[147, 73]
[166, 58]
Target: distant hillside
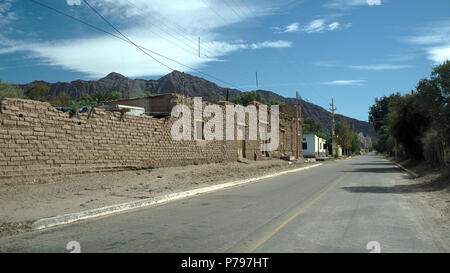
[193, 87]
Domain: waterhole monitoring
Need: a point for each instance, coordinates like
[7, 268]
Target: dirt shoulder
[430, 192]
[51, 196]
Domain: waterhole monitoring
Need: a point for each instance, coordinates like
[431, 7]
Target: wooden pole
[298, 136]
[333, 134]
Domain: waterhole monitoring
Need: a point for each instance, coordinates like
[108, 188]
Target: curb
[77, 216]
[411, 173]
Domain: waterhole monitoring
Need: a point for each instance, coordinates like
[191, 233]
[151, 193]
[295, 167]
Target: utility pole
[227, 94]
[182, 83]
[299, 132]
[333, 137]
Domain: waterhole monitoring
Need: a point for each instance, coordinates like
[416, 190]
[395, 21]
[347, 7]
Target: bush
[9, 91]
[38, 92]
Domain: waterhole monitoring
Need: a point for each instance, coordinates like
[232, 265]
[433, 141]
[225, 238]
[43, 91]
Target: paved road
[338, 207]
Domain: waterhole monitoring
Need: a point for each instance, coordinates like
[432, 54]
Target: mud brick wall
[38, 140]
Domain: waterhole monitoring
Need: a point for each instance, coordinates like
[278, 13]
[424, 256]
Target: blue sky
[351, 50]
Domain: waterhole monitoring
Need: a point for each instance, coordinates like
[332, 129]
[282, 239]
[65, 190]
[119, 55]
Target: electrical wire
[142, 47]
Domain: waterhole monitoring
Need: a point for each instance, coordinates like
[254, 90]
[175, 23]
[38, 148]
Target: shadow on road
[375, 170]
[437, 184]
[373, 163]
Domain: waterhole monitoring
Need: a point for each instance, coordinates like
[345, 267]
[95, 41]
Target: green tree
[275, 102]
[310, 126]
[147, 94]
[356, 145]
[417, 125]
[9, 91]
[38, 92]
[62, 99]
[407, 124]
[97, 98]
[378, 117]
[86, 100]
[248, 97]
[116, 95]
[379, 111]
[344, 136]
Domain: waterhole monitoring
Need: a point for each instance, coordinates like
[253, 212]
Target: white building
[314, 146]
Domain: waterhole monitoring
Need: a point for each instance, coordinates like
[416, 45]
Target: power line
[231, 8]
[142, 47]
[123, 35]
[247, 10]
[213, 10]
[180, 30]
[194, 52]
[238, 7]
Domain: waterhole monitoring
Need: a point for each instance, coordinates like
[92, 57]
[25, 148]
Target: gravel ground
[431, 193]
[45, 197]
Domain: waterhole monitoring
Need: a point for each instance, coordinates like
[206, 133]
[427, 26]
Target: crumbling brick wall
[38, 140]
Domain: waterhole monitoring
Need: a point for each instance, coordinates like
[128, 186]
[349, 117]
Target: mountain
[193, 87]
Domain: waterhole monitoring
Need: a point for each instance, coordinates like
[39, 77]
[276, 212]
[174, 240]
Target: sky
[349, 50]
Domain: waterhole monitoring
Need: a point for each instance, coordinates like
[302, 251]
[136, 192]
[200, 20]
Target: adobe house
[36, 139]
[289, 145]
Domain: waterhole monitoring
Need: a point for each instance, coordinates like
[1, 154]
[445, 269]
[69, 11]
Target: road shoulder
[53, 196]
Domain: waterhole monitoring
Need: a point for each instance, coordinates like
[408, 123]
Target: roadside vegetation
[248, 97]
[41, 92]
[417, 125]
[346, 138]
[9, 91]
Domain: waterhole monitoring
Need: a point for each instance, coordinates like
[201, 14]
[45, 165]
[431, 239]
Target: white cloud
[326, 63]
[374, 2]
[317, 25]
[321, 25]
[149, 23]
[346, 4]
[294, 27]
[346, 82]
[439, 54]
[73, 2]
[334, 26]
[314, 26]
[99, 56]
[6, 15]
[434, 40]
[380, 67]
[271, 44]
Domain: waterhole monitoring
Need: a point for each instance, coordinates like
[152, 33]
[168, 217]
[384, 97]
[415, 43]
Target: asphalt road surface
[344, 206]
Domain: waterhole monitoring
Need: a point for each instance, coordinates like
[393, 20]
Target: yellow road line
[281, 226]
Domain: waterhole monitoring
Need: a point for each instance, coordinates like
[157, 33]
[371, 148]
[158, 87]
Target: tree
[101, 96]
[248, 97]
[407, 124]
[147, 94]
[62, 99]
[116, 95]
[344, 136]
[310, 126]
[379, 111]
[356, 145]
[275, 102]
[38, 92]
[378, 117]
[9, 91]
[86, 100]
[433, 95]
[97, 98]
[416, 124]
